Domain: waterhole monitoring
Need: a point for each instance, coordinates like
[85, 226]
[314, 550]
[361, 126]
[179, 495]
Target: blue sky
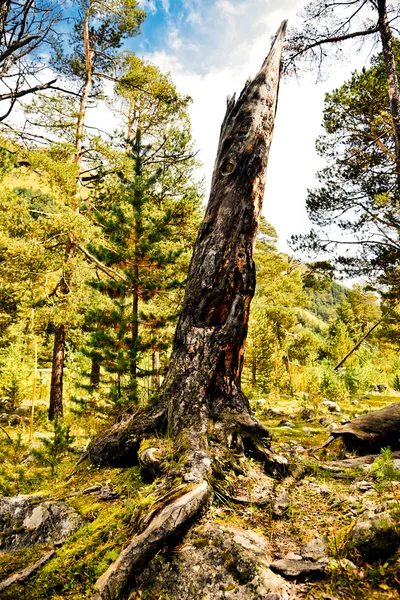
[210, 47]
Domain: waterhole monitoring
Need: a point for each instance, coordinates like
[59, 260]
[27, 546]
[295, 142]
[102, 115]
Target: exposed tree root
[25, 573]
[351, 463]
[162, 524]
[118, 445]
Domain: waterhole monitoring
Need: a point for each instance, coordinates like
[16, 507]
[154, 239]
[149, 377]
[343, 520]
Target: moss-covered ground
[321, 503]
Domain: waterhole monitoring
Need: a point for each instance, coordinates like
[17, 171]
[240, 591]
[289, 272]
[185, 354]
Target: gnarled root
[162, 524]
[118, 445]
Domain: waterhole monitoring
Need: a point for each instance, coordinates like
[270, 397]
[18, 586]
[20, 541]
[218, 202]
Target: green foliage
[358, 187]
[396, 383]
[384, 467]
[56, 447]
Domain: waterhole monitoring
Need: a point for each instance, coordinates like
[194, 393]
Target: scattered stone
[299, 569]
[10, 419]
[345, 419]
[306, 429]
[324, 422]
[286, 423]
[347, 564]
[23, 411]
[376, 534]
[315, 549]
[363, 486]
[106, 493]
[307, 414]
[332, 427]
[281, 504]
[333, 407]
[27, 521]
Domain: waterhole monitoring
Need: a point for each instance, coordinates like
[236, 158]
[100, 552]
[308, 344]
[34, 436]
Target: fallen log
[368, 433]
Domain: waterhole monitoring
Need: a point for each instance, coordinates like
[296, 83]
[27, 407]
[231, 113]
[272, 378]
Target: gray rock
[215, 562]
[27, 521]
[333, 407]
[281, 504]
[314, 549]
[376, 534]
[106, 493]
[286, 423]
[299, 569]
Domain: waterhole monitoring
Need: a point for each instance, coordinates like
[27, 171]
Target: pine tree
[137, 258]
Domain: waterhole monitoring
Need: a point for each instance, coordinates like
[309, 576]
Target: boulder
[27, 521]
[215, 562]
[376, 534]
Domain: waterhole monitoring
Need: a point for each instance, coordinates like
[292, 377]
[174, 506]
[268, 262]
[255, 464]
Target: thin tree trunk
[56, 389]
[56, 404]
[86, 90]
[95, 374]
[135, 329]
[155, 377]
[391, 75]
[356, 346]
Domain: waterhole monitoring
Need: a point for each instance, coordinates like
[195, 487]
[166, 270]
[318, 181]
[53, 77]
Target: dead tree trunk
[203, 380]
[201, 397]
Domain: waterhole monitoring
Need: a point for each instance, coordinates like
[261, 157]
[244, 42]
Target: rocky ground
[331, 530]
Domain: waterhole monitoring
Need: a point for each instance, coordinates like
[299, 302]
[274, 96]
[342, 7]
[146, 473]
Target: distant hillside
[323, 303]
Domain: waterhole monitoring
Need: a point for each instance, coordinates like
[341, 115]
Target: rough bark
[203, 382]
[371, 432]
[56, 387]
[95, 374]
[391, 76]
[56, 404]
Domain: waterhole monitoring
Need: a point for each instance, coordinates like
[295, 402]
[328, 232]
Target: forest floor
[321, 503]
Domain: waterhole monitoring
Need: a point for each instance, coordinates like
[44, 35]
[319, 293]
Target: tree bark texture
[56, 387]
[155, 377]
[56, 402]
[205, 370]
[391, 75]
[203, 381]
[95, 374]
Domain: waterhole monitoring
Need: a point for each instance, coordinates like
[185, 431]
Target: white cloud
[166, 5]
[227, 56]
[230, 9]
[148, 5]
[174, 41]
[194, 17]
